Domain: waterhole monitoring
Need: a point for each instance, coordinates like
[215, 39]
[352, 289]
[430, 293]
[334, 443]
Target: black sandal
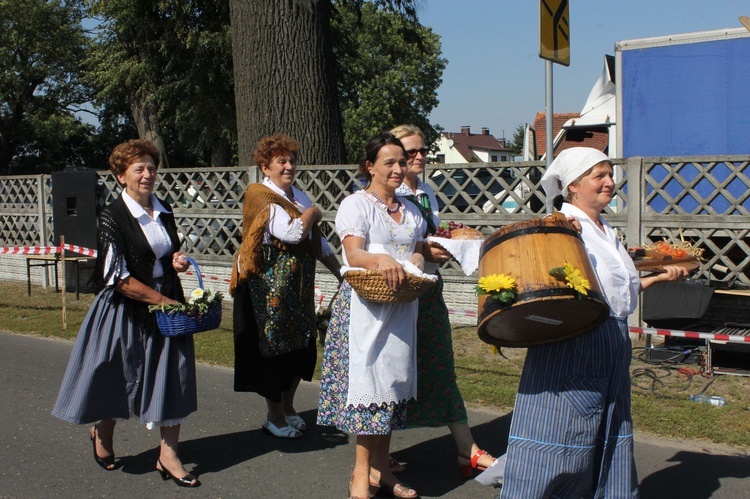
[107, 463]
[186, 481]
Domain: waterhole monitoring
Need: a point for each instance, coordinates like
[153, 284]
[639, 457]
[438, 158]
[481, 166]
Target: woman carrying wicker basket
[273, 281]
[121, 364]
[369, 362]
[439, 402]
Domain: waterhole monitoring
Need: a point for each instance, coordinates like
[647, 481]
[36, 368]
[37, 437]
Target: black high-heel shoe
[186, 481]
[104, 462]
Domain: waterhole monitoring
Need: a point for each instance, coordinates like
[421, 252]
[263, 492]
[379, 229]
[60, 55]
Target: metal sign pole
[550, 120]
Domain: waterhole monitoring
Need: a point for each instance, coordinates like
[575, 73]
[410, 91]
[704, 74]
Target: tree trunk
[146, 121]
[6, 156]
[284, 77]
[221, 152]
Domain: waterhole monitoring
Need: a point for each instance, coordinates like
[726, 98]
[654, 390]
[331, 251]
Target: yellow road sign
[554, 31]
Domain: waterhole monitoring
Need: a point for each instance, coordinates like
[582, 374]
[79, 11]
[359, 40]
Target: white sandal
[283, 432]
[296, 422]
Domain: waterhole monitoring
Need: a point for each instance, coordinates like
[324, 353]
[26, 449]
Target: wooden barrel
[545, 310]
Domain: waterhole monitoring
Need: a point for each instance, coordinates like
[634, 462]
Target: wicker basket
[178, 323]
[370, 286]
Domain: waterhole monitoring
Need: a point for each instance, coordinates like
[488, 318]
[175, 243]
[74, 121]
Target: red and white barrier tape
[210, 277]
[46, 250]
[691, 334]
[79, 250]
[467, 313]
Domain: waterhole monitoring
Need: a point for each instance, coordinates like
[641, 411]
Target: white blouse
[382, 336]
[422, 188]
[285, 228]
[617, 275]
[154, 231]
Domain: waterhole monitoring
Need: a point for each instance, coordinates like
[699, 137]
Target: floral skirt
[282, 295]
[439, 401]
[334, 382]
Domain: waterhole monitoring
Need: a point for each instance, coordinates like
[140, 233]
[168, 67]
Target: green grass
[488, 380]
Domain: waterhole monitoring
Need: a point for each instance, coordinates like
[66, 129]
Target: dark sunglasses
[413, 152]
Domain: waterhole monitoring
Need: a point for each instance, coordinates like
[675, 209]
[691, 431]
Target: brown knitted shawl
[257, 205]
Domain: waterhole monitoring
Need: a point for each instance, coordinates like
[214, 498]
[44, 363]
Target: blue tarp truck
[684, 95]
[680, 95]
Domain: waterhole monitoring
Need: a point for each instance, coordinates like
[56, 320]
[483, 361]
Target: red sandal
[467, 470]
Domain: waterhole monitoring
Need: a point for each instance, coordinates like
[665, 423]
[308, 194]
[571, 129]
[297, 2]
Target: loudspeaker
[74, 206]
[675, 305]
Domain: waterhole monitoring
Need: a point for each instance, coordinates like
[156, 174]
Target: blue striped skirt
[121, 366]
[571, 434]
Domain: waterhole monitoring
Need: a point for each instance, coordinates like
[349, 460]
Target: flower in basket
[572, 278]
[200, 301]
[498, 286]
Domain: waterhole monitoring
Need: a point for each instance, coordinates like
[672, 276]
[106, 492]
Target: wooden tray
[654, 261]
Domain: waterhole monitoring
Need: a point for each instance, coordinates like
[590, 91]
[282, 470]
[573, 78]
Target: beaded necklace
[387, 209]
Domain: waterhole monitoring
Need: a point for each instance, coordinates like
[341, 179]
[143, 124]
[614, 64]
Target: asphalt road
[41, 456]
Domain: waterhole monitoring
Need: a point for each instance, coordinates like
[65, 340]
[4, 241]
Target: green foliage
[173, 60]
[41, 44]
[389, 71]
[517, 143]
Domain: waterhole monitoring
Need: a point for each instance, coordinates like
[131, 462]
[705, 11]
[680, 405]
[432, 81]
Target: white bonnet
[566, 167]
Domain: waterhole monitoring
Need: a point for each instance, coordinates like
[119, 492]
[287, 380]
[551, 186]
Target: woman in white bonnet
[571, 433]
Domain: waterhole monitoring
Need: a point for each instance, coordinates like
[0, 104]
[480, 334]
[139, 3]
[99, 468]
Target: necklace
[387, 209]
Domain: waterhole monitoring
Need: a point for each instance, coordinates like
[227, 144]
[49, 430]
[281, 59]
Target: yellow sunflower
[499, 286]
[496, 283]
[572, 277]
[575, 280]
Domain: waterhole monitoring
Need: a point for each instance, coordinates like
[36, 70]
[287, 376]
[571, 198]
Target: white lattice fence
[705, 200]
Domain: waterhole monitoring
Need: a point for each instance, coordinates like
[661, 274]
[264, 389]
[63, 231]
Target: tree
[41, 44]
[285, 77]
[517, 143]
[390, 69]
[285, 74]
[170, 63]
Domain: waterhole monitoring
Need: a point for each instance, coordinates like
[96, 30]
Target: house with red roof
[571, 136]
[467, 147]
[592, 127]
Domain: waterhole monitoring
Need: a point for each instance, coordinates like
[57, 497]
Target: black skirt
[267, 376]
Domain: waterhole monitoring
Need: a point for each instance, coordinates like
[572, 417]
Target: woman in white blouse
[273, 283]
[571, 434]
[369, 364]
[120, 364]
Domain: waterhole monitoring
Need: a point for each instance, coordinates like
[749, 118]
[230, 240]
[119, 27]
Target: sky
[495, 78]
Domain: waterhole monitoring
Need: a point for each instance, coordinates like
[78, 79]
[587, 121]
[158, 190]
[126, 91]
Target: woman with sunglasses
[439, 402]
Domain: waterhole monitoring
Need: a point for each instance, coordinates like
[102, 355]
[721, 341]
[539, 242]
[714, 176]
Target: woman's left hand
[418, 260]
[672, 273]
[668, 273]
[391, 270]
[179, 262]
[433, 252]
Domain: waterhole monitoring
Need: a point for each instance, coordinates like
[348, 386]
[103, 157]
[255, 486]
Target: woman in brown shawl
[273, 287]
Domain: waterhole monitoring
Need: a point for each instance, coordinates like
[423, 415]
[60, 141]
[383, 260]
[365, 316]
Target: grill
[734, 330]
[724, 357]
